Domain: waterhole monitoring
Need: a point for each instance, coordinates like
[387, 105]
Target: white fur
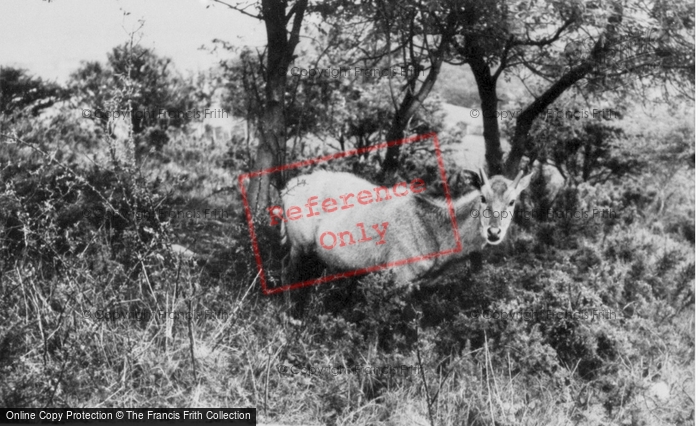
[417, 225]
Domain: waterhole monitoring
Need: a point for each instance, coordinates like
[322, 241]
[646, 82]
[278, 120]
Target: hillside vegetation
[96, 301]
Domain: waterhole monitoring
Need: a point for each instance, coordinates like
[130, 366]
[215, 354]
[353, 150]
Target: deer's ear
[454, 180]
[474, 178]
[484, 178]
[524, 182]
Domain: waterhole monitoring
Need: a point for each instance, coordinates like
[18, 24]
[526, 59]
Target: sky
[51, 39]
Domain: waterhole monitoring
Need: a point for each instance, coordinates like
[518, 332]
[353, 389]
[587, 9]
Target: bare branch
[504, 58]
[546, 41]
[299, 9]
[243, 10]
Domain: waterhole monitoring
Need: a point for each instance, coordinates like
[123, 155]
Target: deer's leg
[290, 268]
[476, 261]
[294, 272]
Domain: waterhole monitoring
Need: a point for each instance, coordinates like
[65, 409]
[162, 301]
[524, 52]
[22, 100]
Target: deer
[405, 225]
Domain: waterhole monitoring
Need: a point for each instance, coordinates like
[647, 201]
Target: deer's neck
[468, 223]
[468, 212]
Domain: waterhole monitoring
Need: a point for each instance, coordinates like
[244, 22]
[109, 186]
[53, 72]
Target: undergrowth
[566, 323]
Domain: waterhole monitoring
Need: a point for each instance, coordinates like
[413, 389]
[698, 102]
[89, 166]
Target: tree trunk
[521, 144]
[489, 111]
[398, 125]
[272, 129]
[411, 101]
[272, 134]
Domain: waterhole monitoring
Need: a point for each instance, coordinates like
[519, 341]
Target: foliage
[355, 113]
[479, 339]
[553, 47]
[457, 88]
[587, 144]
[52, 211]
[139, 81]
[20, 93]
[84, 235]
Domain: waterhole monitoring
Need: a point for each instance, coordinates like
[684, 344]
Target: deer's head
[498, 196]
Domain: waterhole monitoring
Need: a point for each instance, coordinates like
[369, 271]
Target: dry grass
[56, 351]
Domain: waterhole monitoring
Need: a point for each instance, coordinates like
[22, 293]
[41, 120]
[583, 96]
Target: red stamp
[354, 226]
[330, 205]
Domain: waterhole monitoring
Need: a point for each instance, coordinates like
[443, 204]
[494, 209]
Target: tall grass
[96, 301]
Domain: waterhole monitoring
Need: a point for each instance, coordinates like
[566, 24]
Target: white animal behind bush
[368, 228]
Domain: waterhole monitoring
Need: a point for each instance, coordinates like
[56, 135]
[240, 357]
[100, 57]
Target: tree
[138, 79]
[422, 34]
[409, 40]
[583, 145]
[19, 91]
[153, 85]
[599, 46]
[283, 26]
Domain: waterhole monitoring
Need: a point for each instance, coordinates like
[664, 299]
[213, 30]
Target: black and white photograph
[333, 212]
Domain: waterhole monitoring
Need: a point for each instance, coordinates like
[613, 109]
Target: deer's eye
[512, 203]
[483, 200]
